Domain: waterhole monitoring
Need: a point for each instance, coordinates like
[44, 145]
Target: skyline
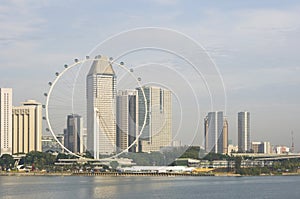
[254, 45]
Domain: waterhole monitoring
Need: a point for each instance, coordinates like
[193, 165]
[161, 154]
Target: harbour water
[182, 187]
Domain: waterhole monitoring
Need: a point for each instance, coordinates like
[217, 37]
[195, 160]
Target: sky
[254, 44]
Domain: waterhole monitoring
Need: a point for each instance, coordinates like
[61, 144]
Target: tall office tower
[5, 121]
[127, 120]
[27, 127]
[244, 131]
[73, 134]
[225, 136]
[101, 108]
[216, 133]
[158, 129]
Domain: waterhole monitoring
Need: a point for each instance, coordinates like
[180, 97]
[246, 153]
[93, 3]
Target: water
[149, 187]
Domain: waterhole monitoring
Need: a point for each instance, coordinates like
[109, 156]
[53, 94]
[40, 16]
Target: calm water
[149, 187]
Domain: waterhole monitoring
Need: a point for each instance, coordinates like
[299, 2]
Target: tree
[238, 164]
[39, 159]
[192, 152]
[6, 161]
[88, 155]
[114, 165]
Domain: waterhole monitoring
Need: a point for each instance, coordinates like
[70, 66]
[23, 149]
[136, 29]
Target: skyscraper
[5, 121]
[73, 134]
[216, 133]
[27, 127]
[225, 136]
[101, 105]
[244, 131]
[158, 130]
[127, 120]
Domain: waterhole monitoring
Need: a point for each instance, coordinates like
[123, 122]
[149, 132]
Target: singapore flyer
[142, 101]
[59, 78]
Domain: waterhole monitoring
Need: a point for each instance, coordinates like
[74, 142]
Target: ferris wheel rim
[59, 75]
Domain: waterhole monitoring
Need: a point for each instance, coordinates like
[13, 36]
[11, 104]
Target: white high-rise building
[101, 108]
[216, 132]
[244, 131]
[5, 121]
[127, 120]
[27, 127]
[157, 133]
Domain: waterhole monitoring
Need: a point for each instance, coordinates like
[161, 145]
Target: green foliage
[65, 156]
[238, 163]
[88, 155]
[216, 156]
[6, 161]
[114, 165]
[192, 152]
[39, 159]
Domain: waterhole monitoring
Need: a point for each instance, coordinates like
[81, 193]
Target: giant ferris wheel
[67, 96]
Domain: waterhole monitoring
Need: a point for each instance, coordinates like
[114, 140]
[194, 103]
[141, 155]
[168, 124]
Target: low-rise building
[261, 147]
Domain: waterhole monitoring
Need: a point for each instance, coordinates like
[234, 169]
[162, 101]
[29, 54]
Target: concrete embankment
[138, 174]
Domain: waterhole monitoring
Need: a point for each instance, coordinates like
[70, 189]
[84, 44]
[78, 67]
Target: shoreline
[146, 174]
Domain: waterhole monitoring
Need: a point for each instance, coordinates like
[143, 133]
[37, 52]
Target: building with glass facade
[244, 143]
[101, 108]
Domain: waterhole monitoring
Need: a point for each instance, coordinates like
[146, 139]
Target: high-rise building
[5, 121]
[157, 133]
[216, 132]
[127, 120]
[73, 134]
[101, 108]
[225, 136]
[244, 131]
[27, 127]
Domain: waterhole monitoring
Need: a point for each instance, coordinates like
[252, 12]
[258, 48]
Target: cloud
[166, 2]
[18, 20]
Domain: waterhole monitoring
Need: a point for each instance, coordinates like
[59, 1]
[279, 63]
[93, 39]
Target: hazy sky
[255, 45]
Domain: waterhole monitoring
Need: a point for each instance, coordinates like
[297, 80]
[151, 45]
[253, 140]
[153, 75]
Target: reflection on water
[111, 187]
[148, 187]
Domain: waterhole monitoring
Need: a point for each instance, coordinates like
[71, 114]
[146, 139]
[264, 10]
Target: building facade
[5, 121]
[127, 121]
[157, 132]
[74, 134]
[261, 147]
[216, 133]
[101, 105]
[49, 144]
[27, 127]
[244, 143]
